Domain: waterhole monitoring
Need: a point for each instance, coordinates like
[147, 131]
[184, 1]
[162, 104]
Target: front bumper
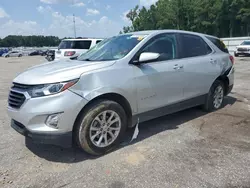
[242, 53]
[32, 115]
[59, 139]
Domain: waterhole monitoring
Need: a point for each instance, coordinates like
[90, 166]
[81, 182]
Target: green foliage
[29, 41]
[222, 18]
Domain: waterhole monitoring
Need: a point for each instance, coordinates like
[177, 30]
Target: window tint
[165, 45]
[82, 44]
[98, 41]
[219, 44]
[75, 44]
[193, 46]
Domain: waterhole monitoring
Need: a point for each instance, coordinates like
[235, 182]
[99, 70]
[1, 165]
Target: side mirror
[148, 56]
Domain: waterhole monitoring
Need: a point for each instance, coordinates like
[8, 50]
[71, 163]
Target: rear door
[201, 67]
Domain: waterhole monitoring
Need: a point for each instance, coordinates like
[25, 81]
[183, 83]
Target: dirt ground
[186, 149]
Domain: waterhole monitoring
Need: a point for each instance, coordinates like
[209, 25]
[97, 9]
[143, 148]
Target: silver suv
[91, 101]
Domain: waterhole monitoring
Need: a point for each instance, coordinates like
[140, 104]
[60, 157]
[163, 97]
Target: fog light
[53, 120]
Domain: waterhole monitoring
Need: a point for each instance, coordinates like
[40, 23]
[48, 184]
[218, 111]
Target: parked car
[122, 81]
[243, 49]
[43, 52]
[70, 47]
[36, 52]
[13, 54]
[50, 55]
[3, 51]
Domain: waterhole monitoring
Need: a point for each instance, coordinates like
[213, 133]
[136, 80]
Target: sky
[93, 18]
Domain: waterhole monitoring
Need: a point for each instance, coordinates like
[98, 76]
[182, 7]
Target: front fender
[90, 95]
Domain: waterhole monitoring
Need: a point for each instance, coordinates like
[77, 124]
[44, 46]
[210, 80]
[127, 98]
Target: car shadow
[146, 130]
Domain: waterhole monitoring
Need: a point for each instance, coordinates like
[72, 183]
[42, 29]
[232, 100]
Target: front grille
[242, 49]
[22, 87]
[16, 96]
[16, 99]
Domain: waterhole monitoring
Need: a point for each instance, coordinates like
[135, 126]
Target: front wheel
[101, 127]
[215, 97]
[20, 55]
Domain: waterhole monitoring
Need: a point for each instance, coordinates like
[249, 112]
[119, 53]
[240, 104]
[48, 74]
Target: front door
[159, 83]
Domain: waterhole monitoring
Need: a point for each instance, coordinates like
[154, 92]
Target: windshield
[246, 43]
[67, 44]
[113, 48]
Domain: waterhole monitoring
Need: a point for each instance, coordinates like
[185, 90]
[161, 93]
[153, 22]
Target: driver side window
[165, 45]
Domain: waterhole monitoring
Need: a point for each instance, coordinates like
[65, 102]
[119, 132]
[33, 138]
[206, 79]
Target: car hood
[58, 71]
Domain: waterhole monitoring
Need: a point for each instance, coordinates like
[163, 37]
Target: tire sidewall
[82, 133]
[216, 84]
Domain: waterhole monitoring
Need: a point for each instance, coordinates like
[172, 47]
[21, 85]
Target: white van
[74, 47]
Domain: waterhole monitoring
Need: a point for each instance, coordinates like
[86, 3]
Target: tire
[89, 121]
[20, 55]
[7, 56]
[236, 55]
[210, 103]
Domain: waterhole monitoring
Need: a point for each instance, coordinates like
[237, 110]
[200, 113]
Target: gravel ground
[186, 149]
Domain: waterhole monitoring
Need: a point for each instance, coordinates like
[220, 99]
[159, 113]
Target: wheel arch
[108, 96]
[224, 79]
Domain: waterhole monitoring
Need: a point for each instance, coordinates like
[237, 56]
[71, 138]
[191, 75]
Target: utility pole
[74, 21]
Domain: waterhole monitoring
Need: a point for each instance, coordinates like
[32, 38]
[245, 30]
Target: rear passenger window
[219, 44]
[82, 44]
[193, 46]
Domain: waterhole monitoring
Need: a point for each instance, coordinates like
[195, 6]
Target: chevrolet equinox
[92, 100]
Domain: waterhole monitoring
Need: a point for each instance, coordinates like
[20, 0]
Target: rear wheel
[215, 97]
[7, 56]
[101, 127]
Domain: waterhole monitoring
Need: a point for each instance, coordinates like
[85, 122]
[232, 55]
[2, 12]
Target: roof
[149, 32]
[82, 39]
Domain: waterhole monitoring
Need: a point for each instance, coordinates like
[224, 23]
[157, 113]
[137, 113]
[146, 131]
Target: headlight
[50, 89]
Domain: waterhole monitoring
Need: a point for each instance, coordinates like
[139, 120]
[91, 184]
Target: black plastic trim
[176, 107]
[59, 139]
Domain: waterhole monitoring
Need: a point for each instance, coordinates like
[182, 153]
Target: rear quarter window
[219, 44]
[83, 44]
[75, 44]
[193, 46]
[98, 41]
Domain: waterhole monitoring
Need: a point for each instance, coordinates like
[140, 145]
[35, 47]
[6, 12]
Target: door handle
[178, 67]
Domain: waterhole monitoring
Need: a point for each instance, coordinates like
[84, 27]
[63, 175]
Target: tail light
[69, 53]
[232, 59]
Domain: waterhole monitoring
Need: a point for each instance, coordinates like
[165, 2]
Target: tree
[29, 41]
[222, 18]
